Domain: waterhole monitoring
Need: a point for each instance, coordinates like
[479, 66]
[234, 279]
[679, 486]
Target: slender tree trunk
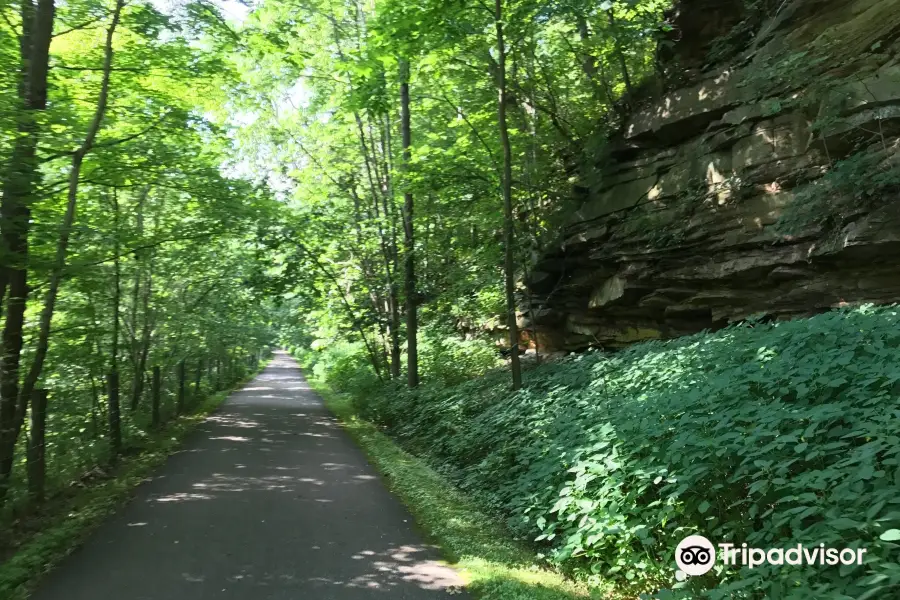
[37, 464]
[390, 219]
[390, 206]
[532, 222]
[4, 278]
[115, 428]
[381, 175]
[377, 198]
[197, 377]
[179, 405]
[144, 347]
[95, 407]
[19, 181]
[509, 232]
[368, 271]
[113, 414]
[373, 355]
[134, 350]
[62, 245]
[409, 246]
[155, 394]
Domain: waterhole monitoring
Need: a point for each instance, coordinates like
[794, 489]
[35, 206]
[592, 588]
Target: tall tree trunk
[390, 218]
[155, 393]
[4, 278]
[137, 388]
[134, 347]
[373, 356]
[179, 403]
[393, 306]
[509, 232]
[409, 257]
[115, 429]
[390, 207]
[18, 186]
[113, 414]
[532, 222]
[197, 377]
[62, 244]
[36, 455]
[95, 407]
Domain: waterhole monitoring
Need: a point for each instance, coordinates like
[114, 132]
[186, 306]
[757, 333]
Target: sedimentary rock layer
[764, 186]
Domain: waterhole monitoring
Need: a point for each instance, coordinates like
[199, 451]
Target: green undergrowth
[495, 565]
[67, 522]
[770, 434]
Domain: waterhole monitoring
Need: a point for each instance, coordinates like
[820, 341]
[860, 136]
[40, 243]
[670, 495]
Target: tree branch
[83, 25]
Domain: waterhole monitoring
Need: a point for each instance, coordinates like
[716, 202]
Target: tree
[136, 136]
[18, 188]
[508, 223]
[62, 244]
[409, 243]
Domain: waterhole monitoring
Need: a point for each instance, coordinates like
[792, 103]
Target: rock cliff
[766, 183]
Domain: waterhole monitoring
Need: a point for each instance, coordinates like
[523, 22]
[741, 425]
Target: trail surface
[270, 500]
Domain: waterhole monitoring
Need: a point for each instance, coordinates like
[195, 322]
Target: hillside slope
[765, 434]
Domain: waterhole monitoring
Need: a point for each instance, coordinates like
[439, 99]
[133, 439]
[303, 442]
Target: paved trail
[270, 500]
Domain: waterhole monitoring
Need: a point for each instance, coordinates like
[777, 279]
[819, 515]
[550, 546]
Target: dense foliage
[390, 229]
[182, 184]
[128, 248]
[769, 434]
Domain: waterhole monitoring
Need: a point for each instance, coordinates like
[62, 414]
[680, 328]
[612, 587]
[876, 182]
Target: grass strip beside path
[495, 565]
[77, 517]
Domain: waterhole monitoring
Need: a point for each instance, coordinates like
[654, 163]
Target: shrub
[447, 359]
[344, 366]
[769, 434]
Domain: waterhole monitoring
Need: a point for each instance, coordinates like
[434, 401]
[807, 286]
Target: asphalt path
[268, 500]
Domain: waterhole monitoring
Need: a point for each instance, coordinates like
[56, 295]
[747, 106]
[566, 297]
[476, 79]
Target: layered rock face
[766, 185]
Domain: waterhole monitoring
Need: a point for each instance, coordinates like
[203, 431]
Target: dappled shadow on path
[385, 571]
[270, 500]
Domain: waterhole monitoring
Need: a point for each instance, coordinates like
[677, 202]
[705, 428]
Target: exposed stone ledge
[677, 228]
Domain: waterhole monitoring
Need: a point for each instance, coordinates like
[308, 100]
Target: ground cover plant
[771, 434]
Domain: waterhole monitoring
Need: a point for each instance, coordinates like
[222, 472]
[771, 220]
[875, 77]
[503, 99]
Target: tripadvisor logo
[696, 555]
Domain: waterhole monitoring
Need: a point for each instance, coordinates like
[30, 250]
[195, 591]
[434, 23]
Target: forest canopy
[185, 182]
[373, 185]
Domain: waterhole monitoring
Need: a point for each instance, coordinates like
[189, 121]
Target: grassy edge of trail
[494, 565]
[71, 521]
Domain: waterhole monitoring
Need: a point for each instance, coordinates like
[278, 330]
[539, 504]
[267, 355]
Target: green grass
[494, 564]
[69, 523]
